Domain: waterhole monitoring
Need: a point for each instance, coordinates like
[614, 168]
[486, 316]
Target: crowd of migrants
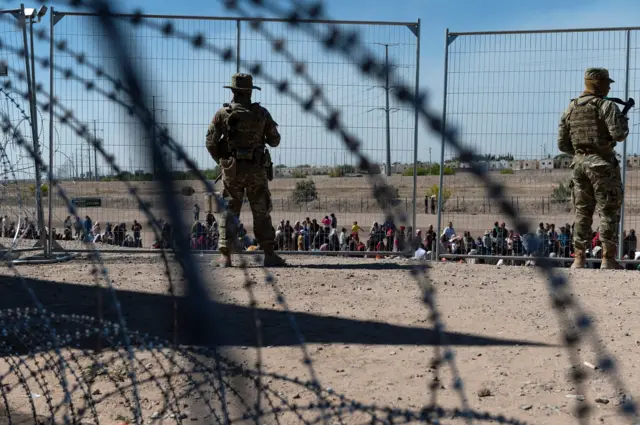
[84, 230]
[309, 235]
[497, 241]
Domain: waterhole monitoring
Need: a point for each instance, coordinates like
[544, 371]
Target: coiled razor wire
[346, 44]
[81, 131]
[9, 168]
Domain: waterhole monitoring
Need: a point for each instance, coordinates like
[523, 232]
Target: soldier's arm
[271, 134]
[214, 134]
[564, 137]
[617, 123]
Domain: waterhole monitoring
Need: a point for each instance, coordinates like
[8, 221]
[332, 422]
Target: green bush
[421, 172]
[342, 170]
[336, 172]
[561, 194]
[299, 174]
[44, 190]
[435, 189]
[305, 191]
[506, 171]
[432, 170]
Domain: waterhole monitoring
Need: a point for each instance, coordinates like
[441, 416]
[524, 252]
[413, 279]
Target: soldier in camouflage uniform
[589, 130]
[236, 140]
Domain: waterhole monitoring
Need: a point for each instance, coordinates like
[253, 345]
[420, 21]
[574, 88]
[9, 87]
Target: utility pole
[387, 108]
[153, 111]
[89, 168]
[82, 162]
[95, 150]
[429, 156]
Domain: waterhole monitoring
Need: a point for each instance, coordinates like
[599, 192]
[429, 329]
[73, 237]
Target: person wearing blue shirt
[88, 225]
[565, 241]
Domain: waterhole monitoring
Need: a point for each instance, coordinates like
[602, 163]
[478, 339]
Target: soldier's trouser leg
[584, 203]
[607, 187]
[234, 194]
[260, 202]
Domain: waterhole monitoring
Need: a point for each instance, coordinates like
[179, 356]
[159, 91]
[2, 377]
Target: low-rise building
[547, 164]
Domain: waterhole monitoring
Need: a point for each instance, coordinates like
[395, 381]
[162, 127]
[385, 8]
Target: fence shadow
[151, 314]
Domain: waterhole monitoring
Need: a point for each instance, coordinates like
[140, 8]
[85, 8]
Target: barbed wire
[80, 131]
[348, 44]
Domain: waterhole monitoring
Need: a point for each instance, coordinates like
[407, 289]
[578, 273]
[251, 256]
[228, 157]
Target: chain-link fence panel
[506, 92]
[315, 178]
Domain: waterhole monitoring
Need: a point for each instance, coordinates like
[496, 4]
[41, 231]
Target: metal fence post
[443, 144]
[49, 250]
[415, 134]
[238, 38]
[624, 152]
[34, 129]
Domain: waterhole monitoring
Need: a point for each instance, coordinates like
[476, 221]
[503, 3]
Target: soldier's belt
[243, 154]
[253, 155]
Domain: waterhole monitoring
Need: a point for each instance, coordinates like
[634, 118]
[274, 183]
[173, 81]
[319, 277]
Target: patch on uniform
[187, 191]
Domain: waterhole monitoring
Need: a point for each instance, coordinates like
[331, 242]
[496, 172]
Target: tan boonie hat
[597, 74]
[242, 82]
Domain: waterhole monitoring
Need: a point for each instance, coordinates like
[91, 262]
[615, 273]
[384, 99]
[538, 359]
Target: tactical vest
[245, 129]
[589, 132]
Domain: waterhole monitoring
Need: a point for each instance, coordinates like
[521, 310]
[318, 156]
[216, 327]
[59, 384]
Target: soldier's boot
[271, 259]
[225, 261]
[580, 259]
[609, 258]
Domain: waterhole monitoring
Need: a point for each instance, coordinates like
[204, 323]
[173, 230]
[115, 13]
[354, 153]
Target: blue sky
[304, 142]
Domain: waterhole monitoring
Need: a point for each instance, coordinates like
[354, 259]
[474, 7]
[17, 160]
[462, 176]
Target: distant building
[562, 161]
[397, 168]
[498, 165]
[633, 161]
[547, 164]
[525, 164]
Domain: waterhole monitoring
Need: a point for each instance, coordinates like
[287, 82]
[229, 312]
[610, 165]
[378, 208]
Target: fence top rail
[547, 31]
[245, 19]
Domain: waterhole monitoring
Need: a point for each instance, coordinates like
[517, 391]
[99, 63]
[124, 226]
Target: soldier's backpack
[245, 129]
[586, 128]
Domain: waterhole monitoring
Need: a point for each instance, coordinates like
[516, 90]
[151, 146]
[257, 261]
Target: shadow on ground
[360, 266]
[152, 314]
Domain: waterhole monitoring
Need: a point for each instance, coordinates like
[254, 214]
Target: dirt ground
[504, 334]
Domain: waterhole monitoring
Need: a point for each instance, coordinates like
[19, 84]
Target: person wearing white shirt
[449, 231]
[343, 239]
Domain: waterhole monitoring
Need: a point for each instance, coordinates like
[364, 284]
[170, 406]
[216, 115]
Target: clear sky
[304, 141]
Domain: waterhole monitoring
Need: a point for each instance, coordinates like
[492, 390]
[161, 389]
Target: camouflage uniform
[236, 140]
[589, 130]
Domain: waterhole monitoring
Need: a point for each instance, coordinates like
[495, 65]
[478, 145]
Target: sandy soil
[501, 312]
